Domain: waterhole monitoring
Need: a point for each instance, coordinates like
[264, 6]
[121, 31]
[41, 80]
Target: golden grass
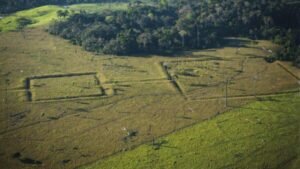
[65, 87]
[263, 134]
[71, 132]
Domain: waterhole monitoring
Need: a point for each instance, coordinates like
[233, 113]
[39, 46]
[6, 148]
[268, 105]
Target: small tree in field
[62, 13]
[23, 22]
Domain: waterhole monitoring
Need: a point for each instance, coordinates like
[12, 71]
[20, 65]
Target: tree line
[9, 6]
[172, 26]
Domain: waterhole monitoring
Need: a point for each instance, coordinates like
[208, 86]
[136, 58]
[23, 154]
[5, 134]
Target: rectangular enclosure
[66, 86]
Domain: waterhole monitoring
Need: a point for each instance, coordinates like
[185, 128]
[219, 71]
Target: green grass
[74, 86]
[92, 8]
[44, 15]
[40, 16]
[261, 135]
[139, 98]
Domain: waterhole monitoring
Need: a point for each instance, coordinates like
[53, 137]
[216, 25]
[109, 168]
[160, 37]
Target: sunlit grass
[92, 8]
[44, 15]
[263, 134]
[39, 16]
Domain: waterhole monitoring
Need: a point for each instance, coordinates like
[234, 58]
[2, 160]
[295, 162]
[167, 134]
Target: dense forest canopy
[177, 25]
[8, 6]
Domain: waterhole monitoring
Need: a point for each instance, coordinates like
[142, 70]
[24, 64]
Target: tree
[166, 38]
[145, 41]
[183, 33]
[127, 39]
[144, 22]
[113, 47]
[23, 22]
[185, 24]
[163, 3]
[62, 13]
[93, 44]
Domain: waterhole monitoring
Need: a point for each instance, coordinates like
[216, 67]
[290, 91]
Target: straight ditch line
[245, 96]
[98, 81]
[287, 70]
[173, 81]
[137, 81]
[196, 60]
[70, 97]
[61, 75]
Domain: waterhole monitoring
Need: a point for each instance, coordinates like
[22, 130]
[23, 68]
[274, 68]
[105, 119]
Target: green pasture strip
[263, 134]
[44, 15]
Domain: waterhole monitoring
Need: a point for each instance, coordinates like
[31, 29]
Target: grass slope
[72, 133]
[40, 16]
[92, 8]
[45, 14]
[261, 135]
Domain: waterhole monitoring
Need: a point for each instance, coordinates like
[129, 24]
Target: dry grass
[140, 97]
[66, 86]
[243, 77]
[263, 134]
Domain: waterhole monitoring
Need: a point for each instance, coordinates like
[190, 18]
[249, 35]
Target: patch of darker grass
[199, 85]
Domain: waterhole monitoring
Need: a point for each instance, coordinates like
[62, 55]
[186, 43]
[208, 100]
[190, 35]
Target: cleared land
[42, 16]
[39, 16]
[242, 77]
[263, 134]
[145, 97]
[64, 86]
[91, 8]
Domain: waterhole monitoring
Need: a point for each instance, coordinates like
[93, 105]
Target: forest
[171, 26]
[9, 6]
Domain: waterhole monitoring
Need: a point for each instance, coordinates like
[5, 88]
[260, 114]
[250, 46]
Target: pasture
[63, 107]
[262, 134]
[42, 16]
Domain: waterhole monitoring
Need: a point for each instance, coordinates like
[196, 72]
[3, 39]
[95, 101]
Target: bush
[23, 22]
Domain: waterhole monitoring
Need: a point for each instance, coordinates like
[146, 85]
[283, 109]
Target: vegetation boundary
[150, 142]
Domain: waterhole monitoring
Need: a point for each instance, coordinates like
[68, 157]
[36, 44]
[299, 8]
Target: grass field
[74, 86]
[241, 77]
[92, 8]
[264, 134]
[41, 16]
[63, 107]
